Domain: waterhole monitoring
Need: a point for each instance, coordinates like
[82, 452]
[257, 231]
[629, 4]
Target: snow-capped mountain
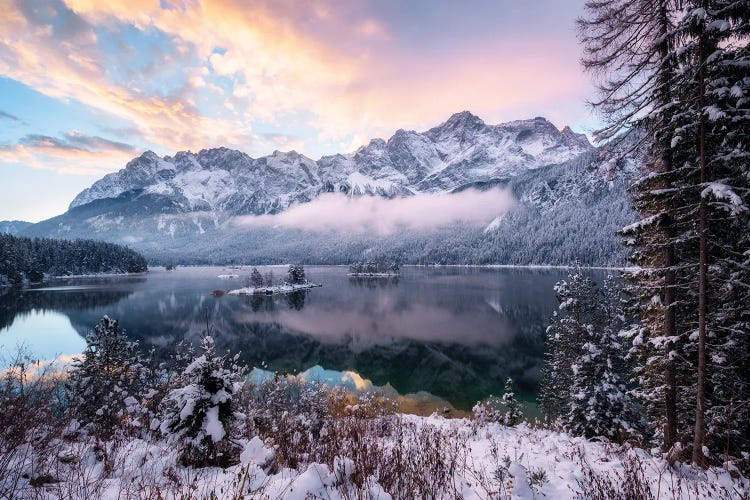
[571, 199]
[461, 152]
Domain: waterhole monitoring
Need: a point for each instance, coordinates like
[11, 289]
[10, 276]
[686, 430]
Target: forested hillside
[31, 259]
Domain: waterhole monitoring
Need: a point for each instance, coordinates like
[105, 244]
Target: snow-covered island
[275, 289]
[256, 284]
[374, 269]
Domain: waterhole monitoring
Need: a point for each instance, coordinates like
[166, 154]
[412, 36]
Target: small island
[374, 269]
[257, 284]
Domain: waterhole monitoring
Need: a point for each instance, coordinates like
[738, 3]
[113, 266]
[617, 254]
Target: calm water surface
[436, 335]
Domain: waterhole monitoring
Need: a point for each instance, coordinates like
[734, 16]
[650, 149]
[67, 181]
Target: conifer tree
[105, 385]
[629, 46]
[296, 274]
[599, 405]
[566, 335]
[200, 411]
[513, 413]
[677, 72]
[256, 280]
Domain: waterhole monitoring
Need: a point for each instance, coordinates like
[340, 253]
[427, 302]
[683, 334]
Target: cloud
[75, 152]
[59, 53]
[373, 214]
[74, 141]
[94, 142]
[8, 116]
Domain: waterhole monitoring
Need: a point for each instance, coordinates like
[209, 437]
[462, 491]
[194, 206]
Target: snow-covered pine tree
[710, 35]
[513, 413]
[629, 46]
[269, 279]
[256, 280]
[652, 89]
[296, 274]
[105, 386]
[200, 411]
[599, 405]
[678, 72]
[566, 335]
[716, 38]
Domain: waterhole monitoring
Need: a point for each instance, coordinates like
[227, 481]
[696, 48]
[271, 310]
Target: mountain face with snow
[461, 152]
[571, 199]
[13, 227]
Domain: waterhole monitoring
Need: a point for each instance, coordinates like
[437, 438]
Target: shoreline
[488, 266]
[48, 279]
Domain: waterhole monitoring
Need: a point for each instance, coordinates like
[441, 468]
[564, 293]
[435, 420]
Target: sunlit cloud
[333, 63]
[75, 152]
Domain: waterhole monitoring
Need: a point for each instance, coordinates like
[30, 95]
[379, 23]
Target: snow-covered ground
[266, 290]
[486, 461]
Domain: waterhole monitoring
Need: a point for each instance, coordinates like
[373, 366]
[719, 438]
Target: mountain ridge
[444, 158]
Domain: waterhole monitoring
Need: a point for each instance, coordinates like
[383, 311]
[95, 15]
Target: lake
[434, 337]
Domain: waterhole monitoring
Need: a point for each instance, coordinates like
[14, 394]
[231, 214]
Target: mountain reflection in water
[441, 334]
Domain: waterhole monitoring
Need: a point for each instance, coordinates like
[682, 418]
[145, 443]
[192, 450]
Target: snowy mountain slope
[461, 151]
[13, 226]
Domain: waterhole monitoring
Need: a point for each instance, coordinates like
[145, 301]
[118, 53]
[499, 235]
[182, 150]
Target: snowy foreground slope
[483, 461]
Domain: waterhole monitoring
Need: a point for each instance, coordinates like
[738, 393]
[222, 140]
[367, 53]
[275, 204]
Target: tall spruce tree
[629, 46]
[714, 43]
[566, 335]
[677, 72]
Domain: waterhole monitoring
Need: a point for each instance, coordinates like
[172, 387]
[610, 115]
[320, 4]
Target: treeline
[679, 73]
[375, 267]
[31, 259]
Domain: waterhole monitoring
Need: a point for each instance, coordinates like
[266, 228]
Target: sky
[86, 85]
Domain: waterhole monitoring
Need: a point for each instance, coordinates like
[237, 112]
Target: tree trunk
[699, 435]
[668, 259]
[670, 370]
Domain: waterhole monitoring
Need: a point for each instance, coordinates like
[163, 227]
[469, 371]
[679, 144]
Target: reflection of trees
[252, 325]
[16, 302]
[296, 300]
[374, 281]
[262, 303]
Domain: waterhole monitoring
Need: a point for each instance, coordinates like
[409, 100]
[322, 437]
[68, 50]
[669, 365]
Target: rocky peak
[576, 138]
